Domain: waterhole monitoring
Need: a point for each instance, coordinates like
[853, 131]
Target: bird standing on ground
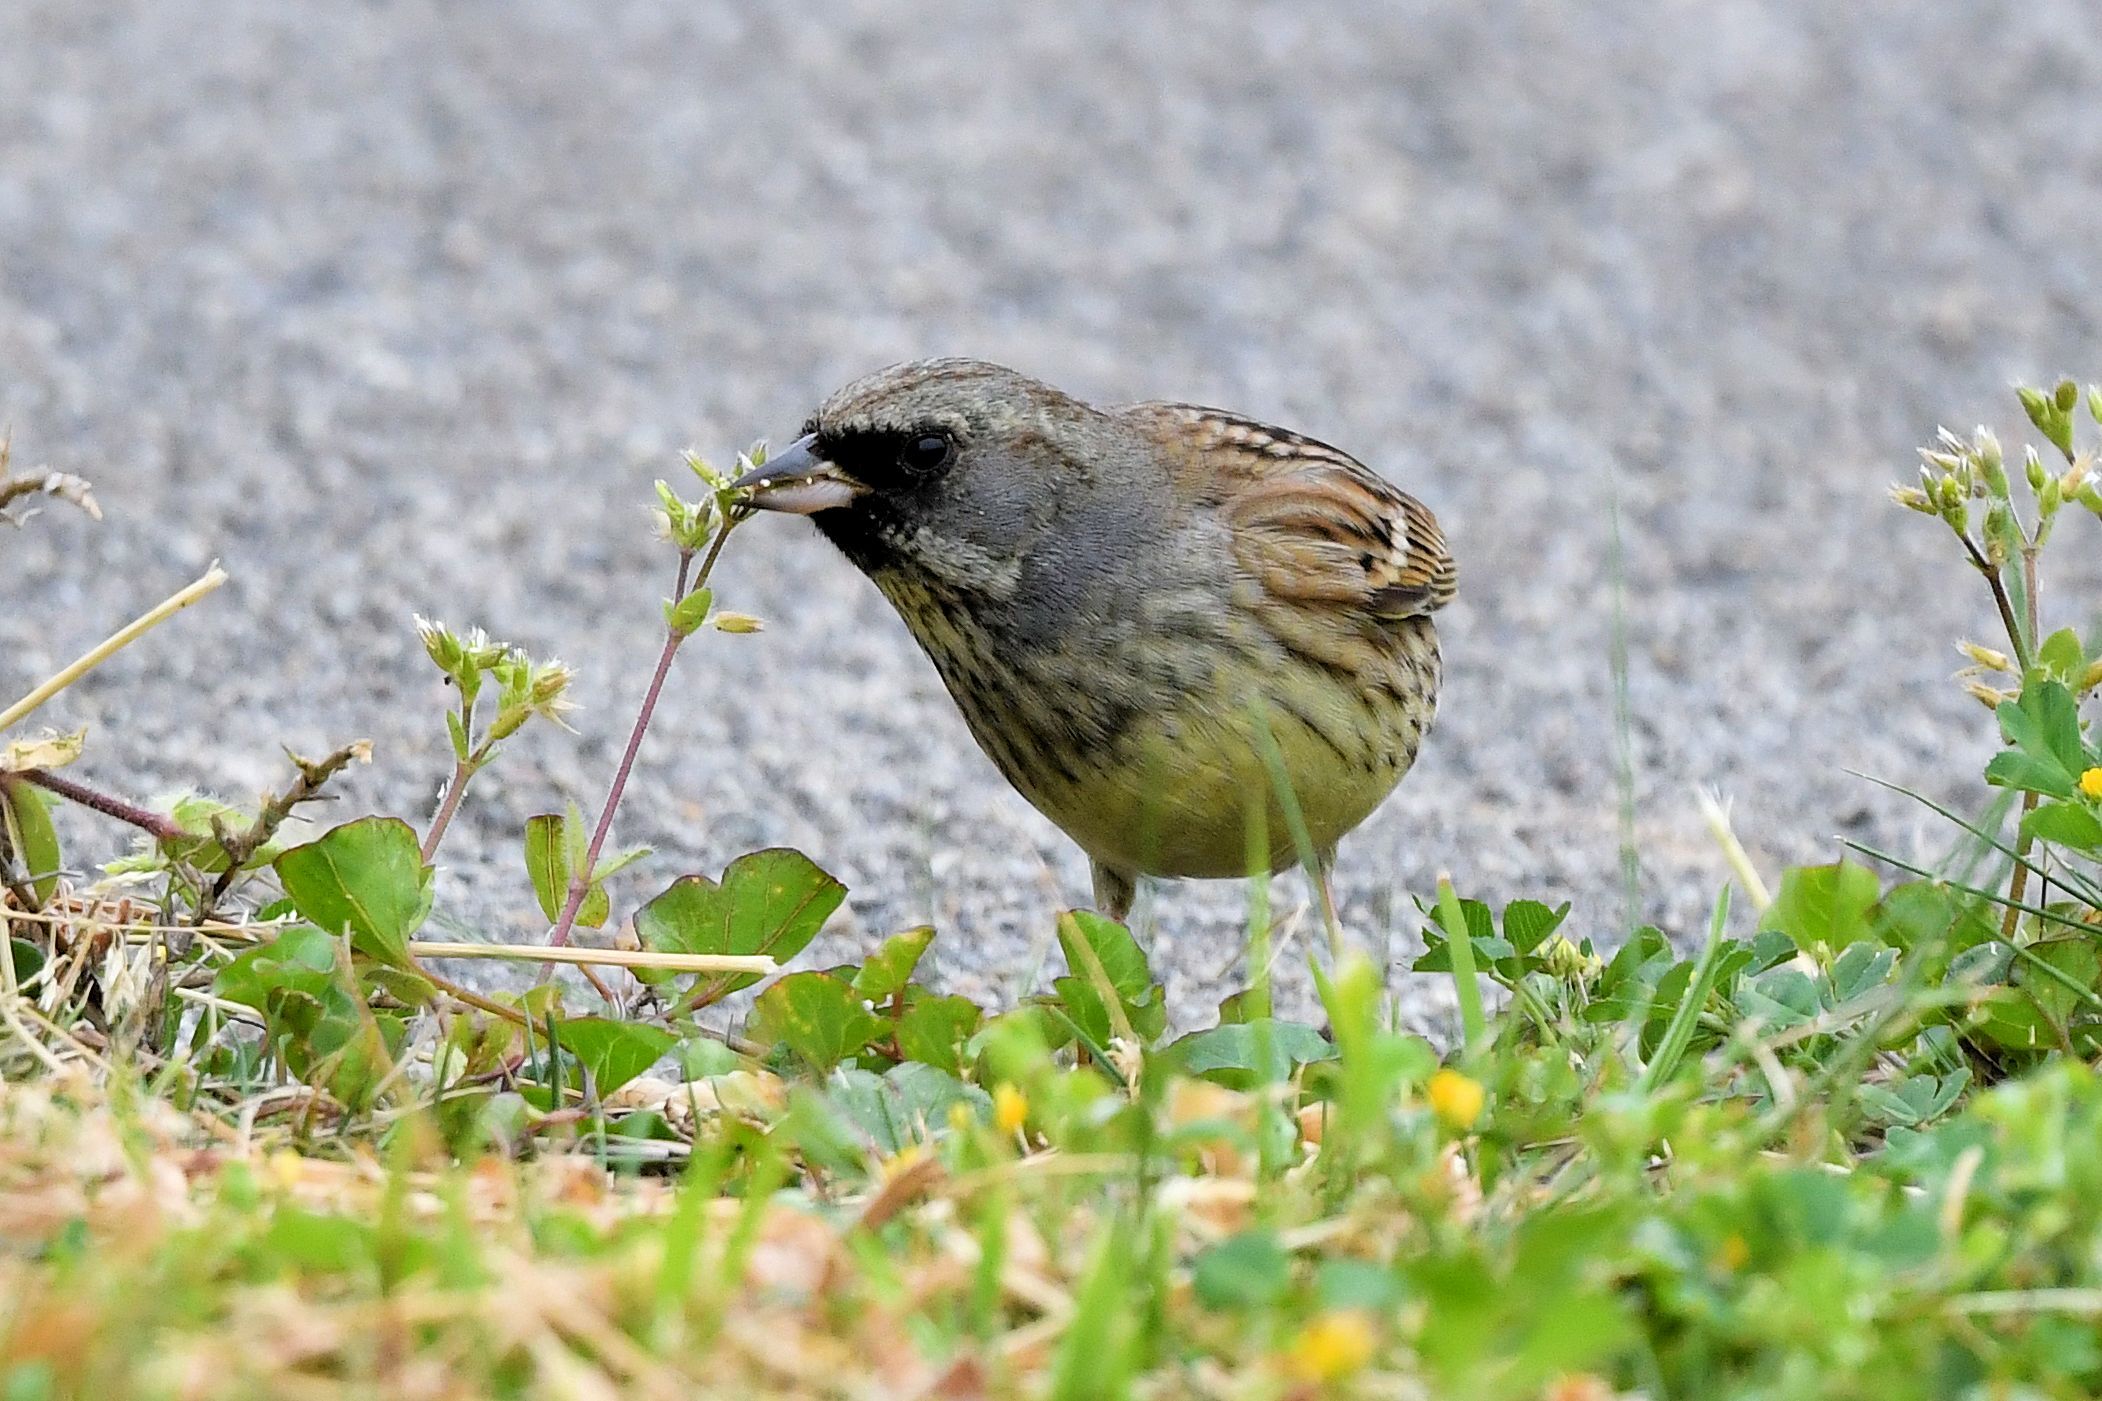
[1124, 601]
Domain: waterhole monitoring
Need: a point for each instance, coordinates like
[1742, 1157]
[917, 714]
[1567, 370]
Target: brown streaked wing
[1311, 523]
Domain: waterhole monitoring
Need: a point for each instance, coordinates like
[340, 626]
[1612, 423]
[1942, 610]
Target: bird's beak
[798, 481]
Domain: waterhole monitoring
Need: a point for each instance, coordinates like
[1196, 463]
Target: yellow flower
[902, 1161]
[1332, 1346]
[1733, 1252]
[1456, 1100]
[1010, 1108]
[2091, 783]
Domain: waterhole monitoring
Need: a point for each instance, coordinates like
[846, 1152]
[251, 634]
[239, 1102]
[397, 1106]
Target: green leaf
[1344, 1283]
[553, 847]
[2074, 960]
[2043, 725]
[1982, 964]
[576, 837]
[820, 1131]
[1250, 1270]
[1120, 955]
[1528, 923]
[27, 958]
[409, 989]
[302, 959]
[1826, 905]
[2068, 824]
[2011, 768]
[1081, 932]
[1915, 1099]
[769, 902]
[906, 1104]
[319, 1020]
[301, 1239]
[609, 866]
[1862, 968]
[2062, 655]
[31, 835]
[1781, 997]
[934, 1029]
[815, 1015]
[1489, 950]
[702, 1056]
[366, 877]
[1241, 1054]
[1924, 913]
[547, 862]
[686, 616]
[615, 1052]
[195, 813]
[886, 971]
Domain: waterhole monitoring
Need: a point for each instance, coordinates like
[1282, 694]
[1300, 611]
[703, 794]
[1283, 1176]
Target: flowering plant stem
[463, 770]
[2018, 879]
[580, 879]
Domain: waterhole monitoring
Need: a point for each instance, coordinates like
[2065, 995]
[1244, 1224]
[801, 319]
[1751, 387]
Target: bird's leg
[1324, 868]
[1114, 891]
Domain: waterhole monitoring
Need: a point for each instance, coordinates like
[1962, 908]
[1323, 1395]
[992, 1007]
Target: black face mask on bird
[913, 505]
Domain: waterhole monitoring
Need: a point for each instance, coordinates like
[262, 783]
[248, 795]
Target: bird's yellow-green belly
[1155, 763]
[1189, 794]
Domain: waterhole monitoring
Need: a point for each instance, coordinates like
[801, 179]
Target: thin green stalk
[1258, 837]
[2018, 882]
[109, 646]
[2049, 916]
[2068, 876]
[1473, 1025]
[1623, 710]
[1678, 1035]
[1087, 1043]
[2022, 951]
[1295, 823]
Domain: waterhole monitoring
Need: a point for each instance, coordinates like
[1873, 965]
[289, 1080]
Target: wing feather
[1312, 524]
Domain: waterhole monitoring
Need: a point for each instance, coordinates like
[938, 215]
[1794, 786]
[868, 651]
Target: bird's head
[945, 469]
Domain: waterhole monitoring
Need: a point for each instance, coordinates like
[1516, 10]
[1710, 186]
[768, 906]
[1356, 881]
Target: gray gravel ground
[400, 307]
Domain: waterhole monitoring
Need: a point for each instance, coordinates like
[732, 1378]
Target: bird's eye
[927, 452]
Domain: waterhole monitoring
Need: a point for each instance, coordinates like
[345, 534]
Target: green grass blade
[1678, 1035]
[1473, 1025]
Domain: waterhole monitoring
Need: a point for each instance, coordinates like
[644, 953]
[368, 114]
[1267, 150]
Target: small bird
[1145, 613]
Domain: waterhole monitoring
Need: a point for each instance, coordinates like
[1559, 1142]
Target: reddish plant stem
[450, 805]
[463, 770]
[580, 880]
[159, 824]
[470, 996]
[1992, 579]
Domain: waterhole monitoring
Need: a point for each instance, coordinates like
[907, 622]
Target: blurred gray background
[400, 307]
